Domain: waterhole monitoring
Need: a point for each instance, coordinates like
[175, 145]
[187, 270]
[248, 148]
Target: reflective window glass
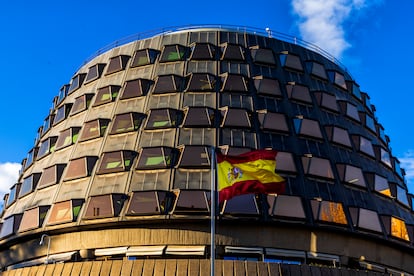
[104, 206]
[64, 212]
[241, 205]
[307, 127]
[337, 78]
[194, 157]
[93, 129]
[117, 161]
[94, 72]
[381, 185]
[234, 83]
[144, 57]
[298, 92]
[136, 88]
[189, 201]
[366, 219]
[365, 146]
[203, 51]
[117, 64]
[290, 61]
[232, 52]
[399, 229]
[168, 84]
[33, 218]
[106, 94]
[47, 123]
[402, 195]
[51, 175]
[80, 167]
[156, 158]
[272, 121]
[338, 135]
[67, 137]
[203, 82]
[81, 103]
[385, 157]
[317, 167]
[126, 122]
[31, 156]
[76, 83]
[267, 86]
[329, 211]
[149, 203]
[326, 101]
[262, 56]
[316, 69]
[10, 225]
[62, 113]
[163, 118]
[285, 162]
[63, 92]
[14, 191]
[199, 117]
[235, 118]
[286, 206]
[351, 175]
[173, 53]
[28, 185]
[237, 138]
[47, 146]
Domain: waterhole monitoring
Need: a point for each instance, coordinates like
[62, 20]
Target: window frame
[94, 72]
[125, 158]
[117, 64]
[106, 94]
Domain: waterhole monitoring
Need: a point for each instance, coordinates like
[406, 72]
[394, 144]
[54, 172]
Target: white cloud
[322, 21]
[9, 172]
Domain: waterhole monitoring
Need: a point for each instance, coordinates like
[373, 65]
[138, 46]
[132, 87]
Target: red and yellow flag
[247, 173]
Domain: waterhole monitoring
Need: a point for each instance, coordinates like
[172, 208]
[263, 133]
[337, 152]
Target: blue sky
[44, 42]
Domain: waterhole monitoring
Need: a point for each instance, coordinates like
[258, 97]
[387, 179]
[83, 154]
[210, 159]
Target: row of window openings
[205, 52]
[198, 157]
[197, 202]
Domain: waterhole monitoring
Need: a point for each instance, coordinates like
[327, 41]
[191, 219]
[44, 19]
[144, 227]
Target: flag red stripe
[248, 156]
[251, 187]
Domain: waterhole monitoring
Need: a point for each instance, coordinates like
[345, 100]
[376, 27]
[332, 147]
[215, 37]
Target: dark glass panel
[94, 72]
[106, 94]
[163, 118]
[64, 212]
[10, 225]
[202, 82]
[29, 185]
[332, 212]
[93, 129]
[316, 69]
[235, 118]
[173, 53]
[51, 175]
[126, 122]
[327, 101]
[104, 206]
[298, 92]
[14, 191]
[117, 161]
[80, 167]
[317, 167]
[189, 201]
[290, 61]
[199, 117]
[203, 51]
[351, 175]
[47, 146]
[156, 158]
[76, 83]
[402, 195]
[285, 162]
[287, 206]
[263, 56]
[194, 157]
[67, 137]
[307, 127]
[381, 185]
[136, 88]
[81, 103]
[47, 123]
[63, 92]
[234, 83]
[117, 64]
[338, 79]
[149, 203]
[144, 57]
[266, 86]
[33, 218]
[338, 135]
[31, 156]
[365, 146]
[62, 113]
[272, 121]
[232, 52]
[168, 84]
[399, 229]
[243, 205]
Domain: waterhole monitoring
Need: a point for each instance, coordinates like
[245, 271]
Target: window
[103, 206]
[106, 94]
[363, 145]
[51, 175]
[355, 90]
[381, 185]
[117, 161]
[10, 225]
[76, 83]
[262, 56]
[149, 203]
[266, 86]
[286, 206]
[271, 121]
[366, 100]
[233, 117]
[117, 64]
[368, 121]
[67, 137]
[33, 218]
[328, 211]
[194, 157]
[150, 180]
[316, 69]
[234, 83]
[168, 84]
[338, 135]
[202, 82]
[93, 129]
[144, 57]
[199, 117]
[31, 156]
[337, 78]
[241, 205]
[307, 127]
[236, 100]
[351, 175]
[65, 211]
[290, 61]
[203, 51]
[173, 53]
[192, 179]
[28, 185]
[94, 72]
[47, 123]
[326, 101]
[298, 92]
[232, 52]
[395, 227]
[156, 158]
[14, 191]
[199, 99]
[365, 219]
[382, 136]
[155, 138]
[63, 92]
[397, 168]
[237, 138]
[80, 167]
[136, 88]
[192, 202]
[243, 253]
[315, 166]
[163, 118]
[81, 103]
[383, 156]
[285, 162]
[62, 113]
[47, 146]
[402, 195]
[197, 136]
[127, 122]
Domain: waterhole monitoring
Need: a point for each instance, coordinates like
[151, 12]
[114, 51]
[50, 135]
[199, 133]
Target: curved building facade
[120, 169]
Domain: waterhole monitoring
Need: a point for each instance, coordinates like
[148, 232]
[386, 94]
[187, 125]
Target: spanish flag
[248, 173]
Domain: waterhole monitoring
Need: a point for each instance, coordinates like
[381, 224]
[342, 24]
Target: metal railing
[247, 30]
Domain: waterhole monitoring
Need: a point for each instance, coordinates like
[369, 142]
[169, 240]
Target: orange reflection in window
[386, 192]
[332, 212]
[398, 229]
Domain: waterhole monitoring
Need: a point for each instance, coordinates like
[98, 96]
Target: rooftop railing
[248, 30]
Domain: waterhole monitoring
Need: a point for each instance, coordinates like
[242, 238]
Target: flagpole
[213, 212]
